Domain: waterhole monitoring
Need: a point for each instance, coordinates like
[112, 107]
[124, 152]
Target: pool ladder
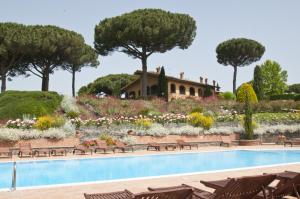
[14, 177]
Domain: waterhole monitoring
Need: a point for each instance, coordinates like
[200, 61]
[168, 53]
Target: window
[182, 90]
[173, 88]
[192, 91]
[200, 92]
[154, 90]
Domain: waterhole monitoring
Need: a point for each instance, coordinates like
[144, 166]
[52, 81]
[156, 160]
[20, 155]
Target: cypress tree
[258, 83]
[162, 84]
[248, 118]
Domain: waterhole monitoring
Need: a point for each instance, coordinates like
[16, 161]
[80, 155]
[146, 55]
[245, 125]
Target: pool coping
[152, 177]
[126, 155]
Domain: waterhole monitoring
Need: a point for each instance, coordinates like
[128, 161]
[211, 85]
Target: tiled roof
[154, 74]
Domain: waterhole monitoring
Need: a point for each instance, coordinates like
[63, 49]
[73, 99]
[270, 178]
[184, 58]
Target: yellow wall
[136, 87]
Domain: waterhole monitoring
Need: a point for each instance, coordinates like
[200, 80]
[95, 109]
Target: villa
[177, 87]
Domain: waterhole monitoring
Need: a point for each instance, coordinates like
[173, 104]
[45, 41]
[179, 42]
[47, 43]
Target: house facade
[177, 87]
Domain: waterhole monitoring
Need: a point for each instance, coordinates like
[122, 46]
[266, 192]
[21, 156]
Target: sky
[273, 23]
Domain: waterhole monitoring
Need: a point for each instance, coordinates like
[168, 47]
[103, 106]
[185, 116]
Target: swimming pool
[58, 172]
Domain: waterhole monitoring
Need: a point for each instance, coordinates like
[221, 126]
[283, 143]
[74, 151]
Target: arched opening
[173, 88]
[200, 92]
[192, 91]
[182, 90]
[154, 90]
[148, 90]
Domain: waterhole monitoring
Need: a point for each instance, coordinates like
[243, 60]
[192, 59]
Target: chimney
[201, 80]
[158, 70]
[181, 75]
[206, 80]
[214, 82]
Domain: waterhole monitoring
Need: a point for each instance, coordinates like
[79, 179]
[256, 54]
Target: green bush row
[287, 96]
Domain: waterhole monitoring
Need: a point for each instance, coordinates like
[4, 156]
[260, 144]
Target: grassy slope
[14, 104]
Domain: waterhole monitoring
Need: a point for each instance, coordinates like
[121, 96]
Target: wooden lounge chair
[25, 149]
[5, 152]
[100, 146]
[42, 152]
[292, 142]
[182, 144]
[83, 150]
[288, 185]
[239, 188]
[58, 152]
[154, 145]
[121, 146]
[180, 193]
[226, 141]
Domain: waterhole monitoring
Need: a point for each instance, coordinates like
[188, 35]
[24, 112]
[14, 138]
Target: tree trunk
[234, 79]
[144, 75]
[73, 82]
[3, 83]
[45, 79]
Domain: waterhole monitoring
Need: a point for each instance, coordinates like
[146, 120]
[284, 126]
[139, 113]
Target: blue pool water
[54, 172]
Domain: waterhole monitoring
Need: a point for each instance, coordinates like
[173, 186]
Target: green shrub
[294, 88]
[297, 98]
[197, 110]
[72, 114]
[228, 96]
[15, 104]
[289, 96]
[243, 91]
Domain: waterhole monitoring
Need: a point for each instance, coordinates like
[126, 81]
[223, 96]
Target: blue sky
[274, 23]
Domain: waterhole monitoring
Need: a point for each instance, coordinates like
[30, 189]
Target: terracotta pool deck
[76, 191]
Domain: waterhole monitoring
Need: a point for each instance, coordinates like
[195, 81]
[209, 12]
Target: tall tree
[82, 56]
[143, 32]
[258, 83]
[248, 124]
[14, 39]
[162, 84]
[238, 53]
[51, 48]
[274, 78]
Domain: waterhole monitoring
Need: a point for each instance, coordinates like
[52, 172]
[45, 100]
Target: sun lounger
[121, 146]
[5, 152]
[182, 144]
[58, 152]
[83, 150]
[180, 193]
[226, 141]
[289, 184]
[100, 146]
[240, 188]
[25, 149]
[41, 152]
[154, 145]
[292, 142]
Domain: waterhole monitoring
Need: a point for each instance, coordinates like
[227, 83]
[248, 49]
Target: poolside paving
[76, 191]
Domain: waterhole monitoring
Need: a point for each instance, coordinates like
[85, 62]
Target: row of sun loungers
[250, 187]
[25, 150]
